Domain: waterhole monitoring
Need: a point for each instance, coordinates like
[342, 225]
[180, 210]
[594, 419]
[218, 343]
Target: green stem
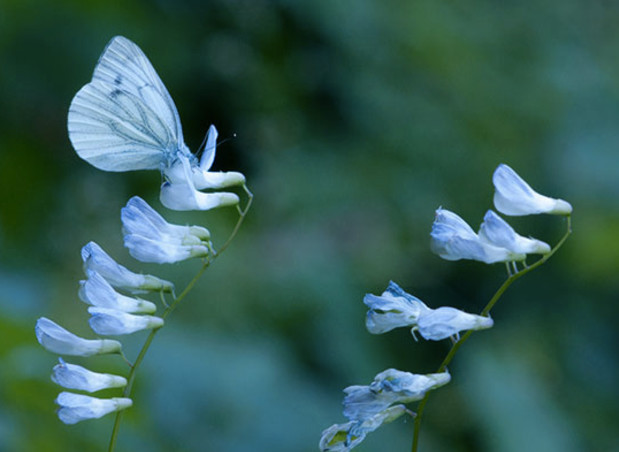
[485, 312]
[168, 311]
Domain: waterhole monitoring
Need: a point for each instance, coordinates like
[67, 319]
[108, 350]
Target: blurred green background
[354, 121]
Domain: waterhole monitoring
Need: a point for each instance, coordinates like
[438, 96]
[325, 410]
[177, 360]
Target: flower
[141, 219]
[58, 340]
[118, 276]
[179, 191]
[453, 239]
[513, 196]
[110, 322]
[72, 376]
[343, 437]
[393, 309]
[77, 407]
[200, 175]
[495, 231]
[443, 322]
[389, 387]
[96, 291]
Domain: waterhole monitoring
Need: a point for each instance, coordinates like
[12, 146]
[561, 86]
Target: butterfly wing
[125, 119]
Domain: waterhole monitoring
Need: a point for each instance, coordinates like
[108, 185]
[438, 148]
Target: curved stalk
[485, 312]
[168, 310]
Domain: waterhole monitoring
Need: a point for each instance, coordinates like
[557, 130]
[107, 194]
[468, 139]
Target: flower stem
[170, 308]
[485, 312]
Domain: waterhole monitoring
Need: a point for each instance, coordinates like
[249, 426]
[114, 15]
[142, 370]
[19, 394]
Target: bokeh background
[354, 121]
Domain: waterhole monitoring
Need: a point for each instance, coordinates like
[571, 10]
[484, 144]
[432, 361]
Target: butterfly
[125, 119]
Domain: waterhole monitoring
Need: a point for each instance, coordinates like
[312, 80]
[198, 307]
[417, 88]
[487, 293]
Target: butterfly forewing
[124, 119]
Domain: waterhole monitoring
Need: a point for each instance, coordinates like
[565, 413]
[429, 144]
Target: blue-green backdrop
[354, 121]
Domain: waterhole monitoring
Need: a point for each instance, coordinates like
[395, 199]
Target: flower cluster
[185, 177]
[395, 308]
[111, 290]
[368, 407]
[125, 120]
[454, 239]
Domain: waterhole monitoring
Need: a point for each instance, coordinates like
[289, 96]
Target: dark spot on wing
[115, 93]
[118, 80]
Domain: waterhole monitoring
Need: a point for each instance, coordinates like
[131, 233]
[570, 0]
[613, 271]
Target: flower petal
[156, 251]
[96, 291]
[96, 259]
[513, 196]
[109, 322]
[496, 231]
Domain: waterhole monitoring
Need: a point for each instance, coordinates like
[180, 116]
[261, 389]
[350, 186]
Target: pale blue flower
[96, 291]
[496, 231]
[343, 437]
[443, 322]
[139, 218]
[96, 259]
[75, 408]
[389, 387]
[72, 376]
[454, 239]
[58, 340]
[513, 196]
[180, 192]
[393, 309]
[200, 175]
[110, 322]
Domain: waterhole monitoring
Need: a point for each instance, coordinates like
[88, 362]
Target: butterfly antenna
[225, 140]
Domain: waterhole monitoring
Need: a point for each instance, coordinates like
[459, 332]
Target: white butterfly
[125, 119]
